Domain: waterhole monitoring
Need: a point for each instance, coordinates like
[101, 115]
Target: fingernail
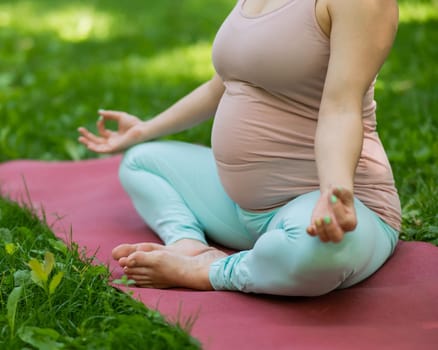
[333, 199]
[327, 220]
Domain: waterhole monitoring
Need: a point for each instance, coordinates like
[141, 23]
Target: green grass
[407, 96]
[82, 311]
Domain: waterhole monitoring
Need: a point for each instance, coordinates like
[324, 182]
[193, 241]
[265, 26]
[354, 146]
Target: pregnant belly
[267, 184]
[264, 154]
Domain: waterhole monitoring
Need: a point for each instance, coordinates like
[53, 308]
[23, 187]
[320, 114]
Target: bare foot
[186, 247]
[164, 268]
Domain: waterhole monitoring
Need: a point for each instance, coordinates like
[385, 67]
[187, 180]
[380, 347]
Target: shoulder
[356, 9]
[363, 5]
[357, 12]
[361, 35]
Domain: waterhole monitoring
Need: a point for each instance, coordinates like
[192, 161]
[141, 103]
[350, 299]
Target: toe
[143, 259]
[123, 250]
[148, 247]
[123, 261]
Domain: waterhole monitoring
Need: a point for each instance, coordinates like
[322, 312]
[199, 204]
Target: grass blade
[11, 307]
[55, 282]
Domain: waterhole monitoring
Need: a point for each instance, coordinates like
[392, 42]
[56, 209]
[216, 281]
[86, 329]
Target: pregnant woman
[297, 181]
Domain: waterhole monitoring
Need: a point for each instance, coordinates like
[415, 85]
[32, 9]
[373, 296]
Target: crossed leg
[285, 260]
[175, 188]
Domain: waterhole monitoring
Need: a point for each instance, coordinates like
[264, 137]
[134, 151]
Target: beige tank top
[274, 67]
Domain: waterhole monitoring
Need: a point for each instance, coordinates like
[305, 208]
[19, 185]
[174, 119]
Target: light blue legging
[175, 188]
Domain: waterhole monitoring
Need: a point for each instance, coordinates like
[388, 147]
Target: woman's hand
[333, 216]
[108, 141]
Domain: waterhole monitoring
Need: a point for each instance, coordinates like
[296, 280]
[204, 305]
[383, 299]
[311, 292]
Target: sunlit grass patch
[418, 11]
[193, 61]
[75, 22]
[186, 62]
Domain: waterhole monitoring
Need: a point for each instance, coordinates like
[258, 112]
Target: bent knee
[142, 157]
[304, 266]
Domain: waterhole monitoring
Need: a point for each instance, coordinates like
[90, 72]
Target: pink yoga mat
[397, 308]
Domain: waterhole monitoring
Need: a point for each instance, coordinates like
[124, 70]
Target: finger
[332, 230]
[83, 140]
[101, 128]
[99, 148]
[90, 136]
[337, 207]
[86, 142]
[311, 230]
[112, 115]
[323, 236]
[320, 230]
[95, 147]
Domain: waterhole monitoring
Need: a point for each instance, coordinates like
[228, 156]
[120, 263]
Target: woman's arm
[361, 35]
[194, 108]
[197, 106]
